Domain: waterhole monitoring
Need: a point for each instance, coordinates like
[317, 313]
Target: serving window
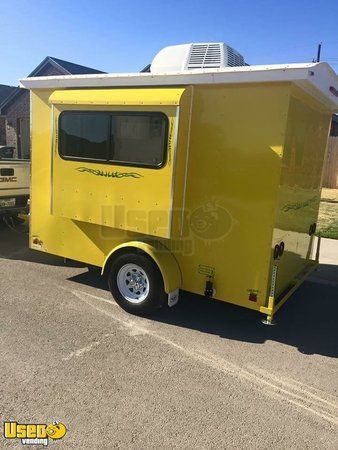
[125, 138]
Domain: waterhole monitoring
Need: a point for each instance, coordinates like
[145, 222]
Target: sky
[124, 36]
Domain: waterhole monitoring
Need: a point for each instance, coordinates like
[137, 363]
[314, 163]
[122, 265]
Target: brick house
[16, 110]
[5, 92]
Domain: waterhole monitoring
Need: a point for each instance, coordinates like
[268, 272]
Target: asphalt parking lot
[200, 375]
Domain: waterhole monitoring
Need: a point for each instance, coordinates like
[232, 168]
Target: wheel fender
[164, 259]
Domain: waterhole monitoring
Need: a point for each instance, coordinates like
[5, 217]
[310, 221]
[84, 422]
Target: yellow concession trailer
[206, 180]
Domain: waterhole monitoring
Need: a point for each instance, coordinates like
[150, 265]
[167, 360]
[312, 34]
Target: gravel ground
[201, 375]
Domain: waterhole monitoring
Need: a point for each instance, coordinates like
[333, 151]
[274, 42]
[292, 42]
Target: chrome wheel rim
[133, 283]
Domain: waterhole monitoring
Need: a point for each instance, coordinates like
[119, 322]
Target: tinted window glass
[139, 139]
[84, 135]
[136, 139]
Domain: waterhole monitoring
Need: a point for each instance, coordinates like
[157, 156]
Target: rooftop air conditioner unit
[210, 55]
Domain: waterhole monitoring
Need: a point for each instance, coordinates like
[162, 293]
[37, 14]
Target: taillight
[253, 297]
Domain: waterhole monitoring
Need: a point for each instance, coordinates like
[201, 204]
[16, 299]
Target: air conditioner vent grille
[234, 58]
[205, 56]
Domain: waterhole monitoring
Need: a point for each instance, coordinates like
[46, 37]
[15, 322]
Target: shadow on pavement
[14, 244]
[308, 320]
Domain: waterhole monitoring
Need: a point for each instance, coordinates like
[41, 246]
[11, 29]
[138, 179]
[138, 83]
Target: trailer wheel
[136, 284]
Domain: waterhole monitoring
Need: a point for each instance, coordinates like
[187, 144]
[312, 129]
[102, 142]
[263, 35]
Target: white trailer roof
[318, 79]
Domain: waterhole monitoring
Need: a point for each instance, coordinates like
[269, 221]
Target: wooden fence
[330, 179]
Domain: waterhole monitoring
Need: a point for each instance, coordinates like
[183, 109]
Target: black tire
[156, 297]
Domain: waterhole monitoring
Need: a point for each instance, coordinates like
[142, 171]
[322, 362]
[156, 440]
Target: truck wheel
[136, 284]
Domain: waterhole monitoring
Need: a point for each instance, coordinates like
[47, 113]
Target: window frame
[110, 152]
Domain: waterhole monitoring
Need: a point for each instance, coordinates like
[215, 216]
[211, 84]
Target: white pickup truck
[14, 184]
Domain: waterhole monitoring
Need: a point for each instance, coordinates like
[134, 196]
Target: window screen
[131, 138]
[84, 135]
